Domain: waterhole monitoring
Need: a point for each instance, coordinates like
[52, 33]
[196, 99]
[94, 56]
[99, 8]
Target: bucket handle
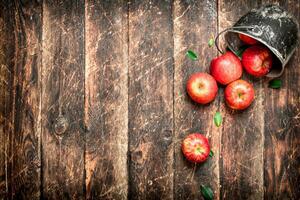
[228, 29]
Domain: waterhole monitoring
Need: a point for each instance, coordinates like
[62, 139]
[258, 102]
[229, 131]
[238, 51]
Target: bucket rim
[276, 53]
[272, 49]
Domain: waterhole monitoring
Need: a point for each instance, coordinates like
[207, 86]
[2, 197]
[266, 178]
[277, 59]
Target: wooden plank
[7, 47]
[241, 162]
[282, 139]
[106, 105]
[195, 22]
[150, 100]
[22, 103]
[63, 100]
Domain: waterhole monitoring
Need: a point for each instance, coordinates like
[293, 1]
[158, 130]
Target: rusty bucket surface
[271, 26]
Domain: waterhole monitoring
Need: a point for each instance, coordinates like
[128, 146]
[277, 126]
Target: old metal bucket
[271, 26]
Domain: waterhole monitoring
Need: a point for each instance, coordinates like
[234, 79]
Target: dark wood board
[106, 99]
[282, 139]
[63, 100]
[7, 50]
[241, 160]
[150, 103]
[21, 64]
[6, 74]
[195, 22]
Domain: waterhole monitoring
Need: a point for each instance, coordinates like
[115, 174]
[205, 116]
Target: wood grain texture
[195, 22]
[7, 47]
[282, 122]
[241, 164]
[22, 63]
[106, 102]
[150, 100]
[63, 100]
[93, 104]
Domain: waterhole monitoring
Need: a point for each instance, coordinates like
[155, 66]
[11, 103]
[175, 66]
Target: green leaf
[211, 153]
[211, 42]
[218, 119]
[240, 51]
[207, 192]
[192, 55]
[275, 83]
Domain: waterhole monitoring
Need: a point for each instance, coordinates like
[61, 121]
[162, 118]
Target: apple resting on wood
[226, 68]
[195, 148]
[257, 60]
[247, 40]
[202, 88]
[239, 95]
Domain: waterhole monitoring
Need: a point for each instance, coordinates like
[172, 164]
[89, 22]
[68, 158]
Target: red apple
[195, 148]
[257, 60]
[247, 40]
[202, 88]
[226, 68]
[239, 95]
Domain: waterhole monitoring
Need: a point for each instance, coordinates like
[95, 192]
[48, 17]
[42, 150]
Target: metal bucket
[271, 26]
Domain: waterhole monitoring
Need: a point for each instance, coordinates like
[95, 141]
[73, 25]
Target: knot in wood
[61, 125]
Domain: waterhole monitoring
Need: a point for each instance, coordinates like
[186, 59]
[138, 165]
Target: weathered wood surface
[7, 48]
[242, 142]
[150, 103]
[93, 104]
[282, 122]
[20, 79]
[194, 24]
[106, 99]
[62, 96]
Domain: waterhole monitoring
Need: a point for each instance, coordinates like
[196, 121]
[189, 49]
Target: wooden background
[93, 104]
